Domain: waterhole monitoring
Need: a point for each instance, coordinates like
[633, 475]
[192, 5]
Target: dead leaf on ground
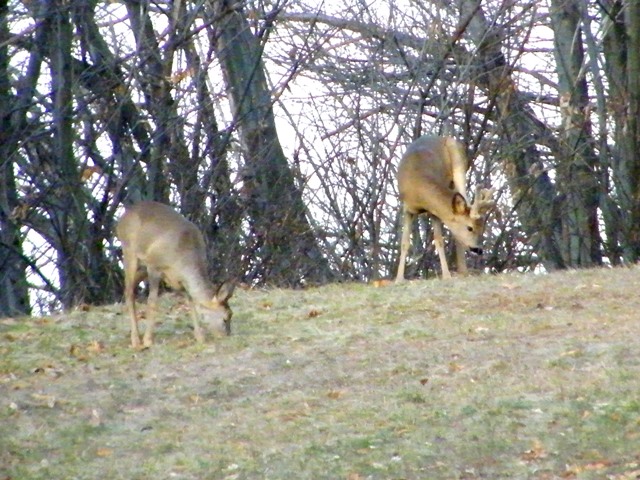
[572, 353]
[630, 475]
[49, 370]
[10, 337]
[542, 306]
[334, 394]
[104, 452]
[81, 352]
[44, 400]
[536, 452]
[96, 346]
[575, 470]
[455, 367]
[75, 351]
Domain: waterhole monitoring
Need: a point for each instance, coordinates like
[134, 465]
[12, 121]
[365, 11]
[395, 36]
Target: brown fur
[432, 180]
[173, 249]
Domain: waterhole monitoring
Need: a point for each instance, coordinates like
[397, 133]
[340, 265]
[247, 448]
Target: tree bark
[622, 65]
[66, 204]
[534, 194]
[577, 163]
[14, 291]
[286, 251]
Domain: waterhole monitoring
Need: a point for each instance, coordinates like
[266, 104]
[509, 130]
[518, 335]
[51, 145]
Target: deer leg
[407, 221]
[438, 240]
[197, 329]
[130, 283]
[461, 261]
[152, 305]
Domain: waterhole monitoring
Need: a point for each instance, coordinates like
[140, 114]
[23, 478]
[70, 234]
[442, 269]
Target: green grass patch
[508, 376]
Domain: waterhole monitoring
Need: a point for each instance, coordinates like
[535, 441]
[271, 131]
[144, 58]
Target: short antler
[482, 203]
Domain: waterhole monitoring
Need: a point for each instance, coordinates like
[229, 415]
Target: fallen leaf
[574, 470]
[49, 370]
[542, 306]
[455, 367]
[536, 452]
[334, 394]
[44, 400]
[10, 337]
[572, 353]
[96, 346]
[104, 452]
[77, 352]
[598, 465]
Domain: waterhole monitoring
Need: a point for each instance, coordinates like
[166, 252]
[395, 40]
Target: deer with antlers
[432, 180]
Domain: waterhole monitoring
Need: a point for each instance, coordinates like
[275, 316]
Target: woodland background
[276, 126]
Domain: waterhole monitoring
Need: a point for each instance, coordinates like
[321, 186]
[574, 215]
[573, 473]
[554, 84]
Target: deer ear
[225, 291]
[459, 204]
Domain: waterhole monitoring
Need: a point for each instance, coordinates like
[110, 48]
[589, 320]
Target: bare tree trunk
[577, 163]
[223, 224]
[77, 236]
[622, 60]
[534, 194]
[286, 250]
[14, 292]
[65, 203]
[168, 152]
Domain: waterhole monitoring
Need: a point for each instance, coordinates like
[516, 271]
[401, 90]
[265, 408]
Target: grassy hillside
[514, 377]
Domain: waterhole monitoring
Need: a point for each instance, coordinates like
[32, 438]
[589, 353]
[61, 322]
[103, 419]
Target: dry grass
[516, 376]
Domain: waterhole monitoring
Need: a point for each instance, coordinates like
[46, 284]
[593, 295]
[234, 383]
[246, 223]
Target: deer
[155, 236]
[432, 180]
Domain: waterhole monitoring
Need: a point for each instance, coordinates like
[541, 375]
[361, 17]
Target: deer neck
[198, 287]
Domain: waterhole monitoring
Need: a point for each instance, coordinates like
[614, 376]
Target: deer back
[166, 242]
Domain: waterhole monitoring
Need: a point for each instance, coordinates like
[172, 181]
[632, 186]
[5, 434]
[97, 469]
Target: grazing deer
[171, 248]
[431, 180]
